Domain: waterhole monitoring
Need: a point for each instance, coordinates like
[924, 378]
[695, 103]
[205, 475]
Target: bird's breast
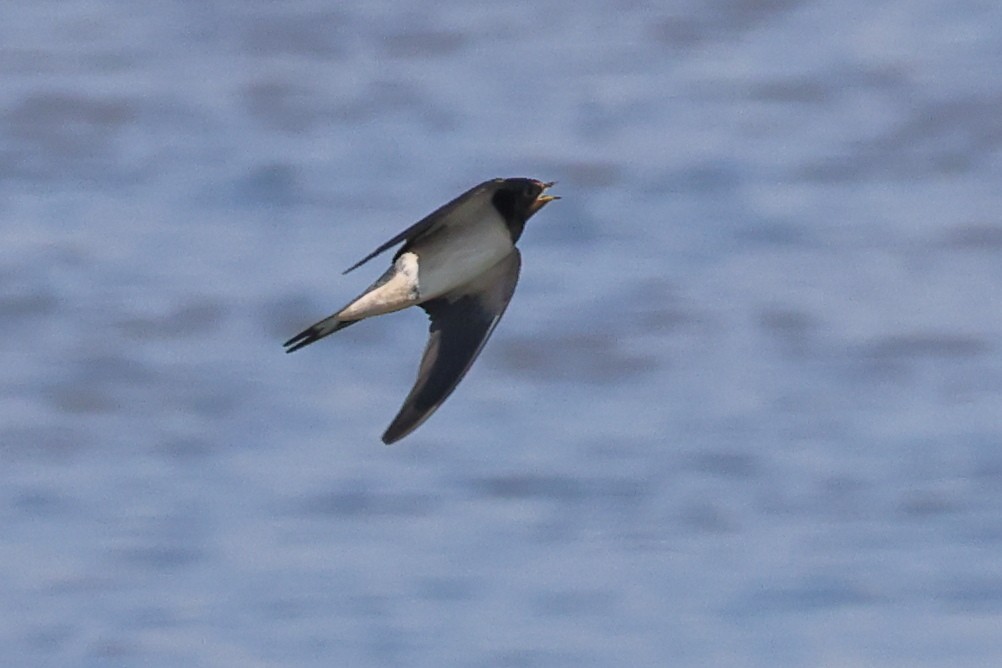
[458, 255]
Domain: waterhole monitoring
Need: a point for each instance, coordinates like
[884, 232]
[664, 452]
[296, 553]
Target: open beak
[544, 199]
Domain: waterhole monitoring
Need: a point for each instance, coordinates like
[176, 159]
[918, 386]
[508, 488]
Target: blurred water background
[745, 408]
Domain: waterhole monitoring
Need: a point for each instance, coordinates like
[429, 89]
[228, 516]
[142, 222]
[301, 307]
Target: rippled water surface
[745, 408]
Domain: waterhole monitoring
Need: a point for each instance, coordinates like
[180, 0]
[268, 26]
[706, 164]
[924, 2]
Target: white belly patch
[398, 291]
[461, 256]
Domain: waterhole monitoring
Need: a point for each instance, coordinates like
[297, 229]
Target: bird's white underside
[448, 261]
[400, 291]
[462, 253]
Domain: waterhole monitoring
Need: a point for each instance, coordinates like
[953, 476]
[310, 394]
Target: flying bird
[460, 265]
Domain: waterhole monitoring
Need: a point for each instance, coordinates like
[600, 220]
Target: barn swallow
[460, 265]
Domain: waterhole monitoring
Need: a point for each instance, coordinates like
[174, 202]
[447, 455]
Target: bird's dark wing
[439, 215]
[461, 323]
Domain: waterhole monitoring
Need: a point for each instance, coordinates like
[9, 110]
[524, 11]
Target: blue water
[745, 408]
